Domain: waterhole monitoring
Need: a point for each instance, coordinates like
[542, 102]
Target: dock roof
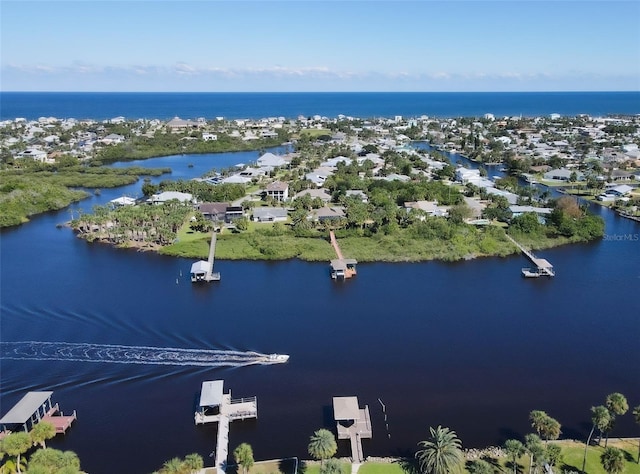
[542, 263]
[345, 408]
[211, 393]
[201, 266]
[25, 408]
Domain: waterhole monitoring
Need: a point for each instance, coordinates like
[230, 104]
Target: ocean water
[96, 105]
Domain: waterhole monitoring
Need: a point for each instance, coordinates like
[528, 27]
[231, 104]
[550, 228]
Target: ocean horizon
[251, 105]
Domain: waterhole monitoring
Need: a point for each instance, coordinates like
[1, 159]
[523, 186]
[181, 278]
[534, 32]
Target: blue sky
[475, 45]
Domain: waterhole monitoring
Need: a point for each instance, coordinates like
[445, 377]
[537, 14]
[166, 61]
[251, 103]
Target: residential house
[233, 212]
[35, 154]
[431, 208]
[215, 211]
[166, 196]
[563, 174]
[278, 191]
[328, 213]
[269, 214]
[320, 193]
[269, 159]
[209, 137]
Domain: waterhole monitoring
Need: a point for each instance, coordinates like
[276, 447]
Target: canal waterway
[469, 345]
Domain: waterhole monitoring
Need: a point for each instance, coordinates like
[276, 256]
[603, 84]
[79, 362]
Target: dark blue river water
[470, 345]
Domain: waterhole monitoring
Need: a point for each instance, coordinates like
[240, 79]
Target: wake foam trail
[84, 352]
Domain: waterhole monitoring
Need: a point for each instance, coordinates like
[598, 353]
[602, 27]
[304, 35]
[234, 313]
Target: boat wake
[84, 352]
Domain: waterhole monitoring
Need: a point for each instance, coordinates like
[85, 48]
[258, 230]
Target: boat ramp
[341, 268]
[203, 271]
[542, 266]
[218, 407]
[33, 408]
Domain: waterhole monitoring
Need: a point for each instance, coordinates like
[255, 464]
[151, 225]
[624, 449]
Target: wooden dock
[341, 268]
[59, 420]
[203, 271]
[353, 423]
[218, 407]
[543, 266]
[33, 408]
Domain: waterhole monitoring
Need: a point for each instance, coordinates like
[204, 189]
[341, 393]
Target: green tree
[600, 419]
[534, 447]
[617, 405]
[243, 456]
[322, 445]
[553, 454]
[480, 466]
[514, 449]
[612, 460]
[550, 429]
[193, 462]
[16, 444]
[332, 466]
[441, 453]
[50, 460]
[41, 432]
[172, 466]
[537, 419]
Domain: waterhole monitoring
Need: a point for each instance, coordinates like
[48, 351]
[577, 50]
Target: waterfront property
[203, 271]
[542, 266]
[353, 423]
[218, 407]
[33, 408]
[341, 268]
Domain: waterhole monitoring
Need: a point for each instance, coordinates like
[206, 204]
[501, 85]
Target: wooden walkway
[341, 267]
[228, 411]
[544, 267]
[211, 276]
[352, 423]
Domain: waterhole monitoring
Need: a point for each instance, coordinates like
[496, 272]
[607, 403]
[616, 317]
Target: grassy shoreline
[258, 244]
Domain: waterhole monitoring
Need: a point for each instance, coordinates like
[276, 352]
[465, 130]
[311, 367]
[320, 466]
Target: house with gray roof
[269, 214]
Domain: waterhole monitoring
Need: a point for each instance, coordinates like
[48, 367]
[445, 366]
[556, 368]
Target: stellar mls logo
[621, 237]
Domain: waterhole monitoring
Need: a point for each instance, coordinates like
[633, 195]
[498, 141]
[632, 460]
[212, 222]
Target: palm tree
[322, 445]
[600, 419]
[550, 428]
[480, 466]
[243, 456]
[332, 466]
[617, 404]
[41, 432]
[534, 447]
[514, 449]
[16, 444]
[193, 462]
[441, 453]
[172, 466]
[612, 460]
[538, 418]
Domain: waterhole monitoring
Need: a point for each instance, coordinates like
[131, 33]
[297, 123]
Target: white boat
[278, 358]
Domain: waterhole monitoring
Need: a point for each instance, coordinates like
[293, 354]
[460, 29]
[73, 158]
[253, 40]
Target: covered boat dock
[353, 423]
[33, 408]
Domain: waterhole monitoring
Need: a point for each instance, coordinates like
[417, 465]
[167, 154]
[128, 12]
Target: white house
[269, 159]
[209, 137]
[35, 154]
[166, 196]
[269, 214]
[278, 191]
